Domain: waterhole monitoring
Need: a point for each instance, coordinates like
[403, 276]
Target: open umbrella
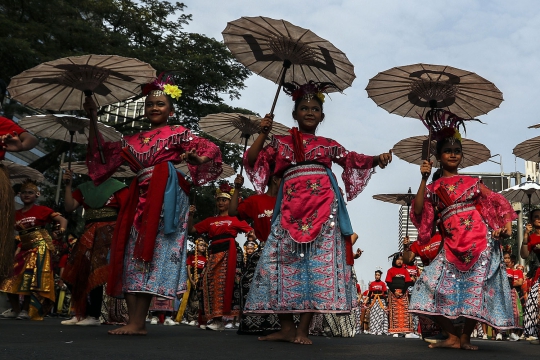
[399, 199]
[412, 150]
[282, 52]
[237, 128]
[66, 128]
[528, 191]
[528, 150]
[19, 173]
[410, 90]
[63, 84]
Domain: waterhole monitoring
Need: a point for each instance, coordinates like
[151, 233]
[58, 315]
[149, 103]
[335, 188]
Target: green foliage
[36, 31]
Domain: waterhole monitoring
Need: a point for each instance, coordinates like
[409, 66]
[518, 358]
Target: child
[304, 256]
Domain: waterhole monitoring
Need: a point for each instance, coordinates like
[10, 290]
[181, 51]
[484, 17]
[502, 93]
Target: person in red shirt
[258, 208]
[221, 293]
[196, 261]
[87, 269]
[32, 272]
[515, 277]
[399, 280]
[378, 318]
[531, 244]
[13, 138]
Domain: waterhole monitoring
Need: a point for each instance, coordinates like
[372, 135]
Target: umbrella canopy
[410, 150]
[19, 173]
[527, 192]
[528, 150]
[60, 127]
[124, 171]
[264, 45]
[410, 90]
[79, 167]
[237, 128]
[64, 83]
[398, 199]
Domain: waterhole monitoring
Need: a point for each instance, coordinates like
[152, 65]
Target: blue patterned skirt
[482, 293]
[290, 278]
[166, 275]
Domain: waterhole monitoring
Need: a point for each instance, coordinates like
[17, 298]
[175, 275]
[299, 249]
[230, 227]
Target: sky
[496, 39]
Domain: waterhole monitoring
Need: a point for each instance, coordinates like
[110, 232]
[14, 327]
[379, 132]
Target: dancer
[530, 245]
[378, 317]
[307, 233]
[221, 278]
[87, 269]
[515, 278]
[32, 272]
[467, 277]
[398, 281]
[258, 209]
[148, 253]
[13, 138]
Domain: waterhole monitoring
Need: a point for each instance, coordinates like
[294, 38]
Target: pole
[59, 182]
[519, 222]
[245, 147]
[93, 123]
[286, 65]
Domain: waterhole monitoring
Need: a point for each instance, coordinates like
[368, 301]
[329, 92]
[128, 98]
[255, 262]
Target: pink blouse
[357, 167]
[155, 146]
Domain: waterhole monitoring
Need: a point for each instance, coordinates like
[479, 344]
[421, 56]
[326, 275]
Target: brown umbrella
[410, 90]
[237, 128]
[63, 84]
[66, 128]
[19, 173]
[528, 150]
[399, 199]
[411, 150]
[270, 47]
[79, 167]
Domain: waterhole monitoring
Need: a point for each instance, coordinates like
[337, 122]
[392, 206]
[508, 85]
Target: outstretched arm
[70, 203]
[425, 170]
[233, 205]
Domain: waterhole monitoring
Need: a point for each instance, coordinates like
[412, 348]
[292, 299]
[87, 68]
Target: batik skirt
[166, 274]
[378, 317]
[531, 323]
[400, 320]
[482, 293]
[221, 283]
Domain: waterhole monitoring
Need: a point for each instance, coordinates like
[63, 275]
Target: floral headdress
[507, 249]
[444, 125]
[30, 185]
[225, 190]
[246, 244]
[308, 90]
[162, 87]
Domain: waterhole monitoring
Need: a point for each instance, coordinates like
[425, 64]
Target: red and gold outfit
[224, 267]
[32, 271]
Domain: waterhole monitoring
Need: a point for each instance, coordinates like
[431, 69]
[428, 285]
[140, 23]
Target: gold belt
[105, 212]
[32, 239]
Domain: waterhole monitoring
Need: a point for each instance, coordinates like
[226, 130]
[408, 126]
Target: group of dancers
[136, 237]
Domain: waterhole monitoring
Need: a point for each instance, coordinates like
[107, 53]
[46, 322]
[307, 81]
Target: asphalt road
[49, 339]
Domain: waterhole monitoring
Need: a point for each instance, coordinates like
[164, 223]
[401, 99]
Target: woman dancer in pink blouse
[303, 267]
[148, 252]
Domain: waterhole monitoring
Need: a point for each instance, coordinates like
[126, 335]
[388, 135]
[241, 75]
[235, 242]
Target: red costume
[428, 251]
[7, 126]
[260, 209]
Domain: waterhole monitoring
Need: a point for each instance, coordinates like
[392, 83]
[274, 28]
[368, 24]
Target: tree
[36, 31]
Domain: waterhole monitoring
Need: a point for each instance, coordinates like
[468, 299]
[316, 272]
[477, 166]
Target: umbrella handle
[93, 122]
[428, 152]
[286, 65]
[71, 133]
[242, 162]
[407, 227]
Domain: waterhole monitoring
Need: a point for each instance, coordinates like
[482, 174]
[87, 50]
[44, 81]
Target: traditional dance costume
[221, 277]
[378, 317]
[515, 275]
[531, 318]
[87, 269]
[148, 253]
[32, 272]
[303, 266]
[467, 278]
[399, 280]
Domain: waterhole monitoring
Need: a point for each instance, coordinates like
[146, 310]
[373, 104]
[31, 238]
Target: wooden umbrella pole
[71, 133]
[286, 65]
[245, 147]
[93, 122]
[407, 227]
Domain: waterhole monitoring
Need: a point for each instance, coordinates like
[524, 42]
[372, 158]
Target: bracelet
[524, 244]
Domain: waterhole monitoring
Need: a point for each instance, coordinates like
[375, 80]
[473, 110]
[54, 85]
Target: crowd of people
[294, 276]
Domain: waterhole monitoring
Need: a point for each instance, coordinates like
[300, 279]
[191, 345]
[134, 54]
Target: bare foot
[282, 335]
[128, 330]
[469, 346]
[452, 342]
[302, 340]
